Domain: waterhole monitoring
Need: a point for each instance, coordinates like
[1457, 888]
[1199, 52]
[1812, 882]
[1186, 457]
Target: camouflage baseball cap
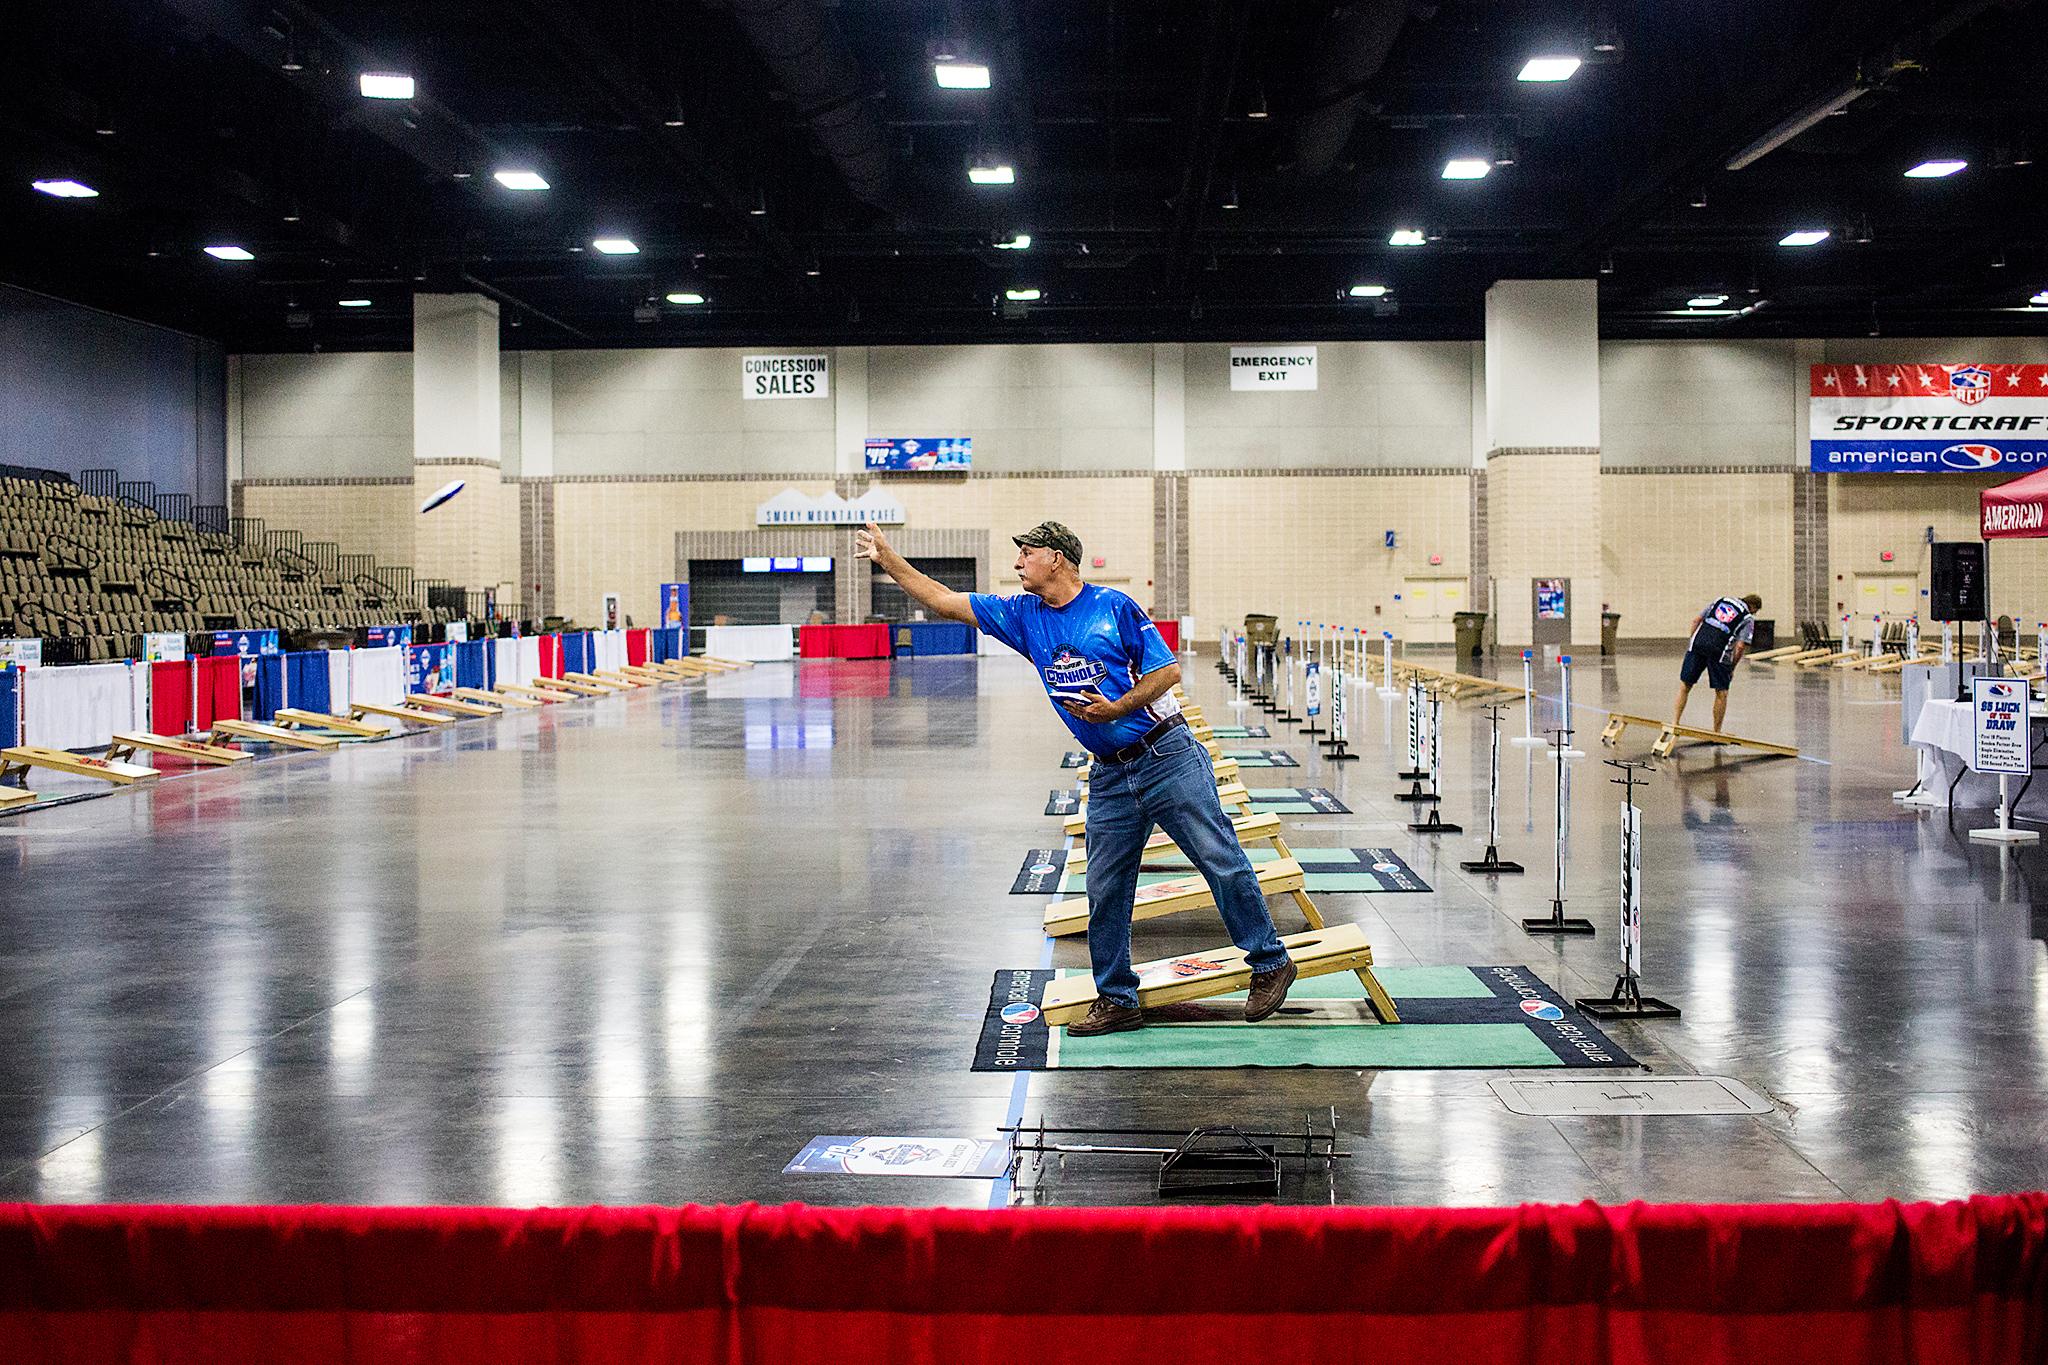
[1053, 536]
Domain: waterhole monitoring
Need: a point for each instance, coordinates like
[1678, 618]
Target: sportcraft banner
[1928, 419]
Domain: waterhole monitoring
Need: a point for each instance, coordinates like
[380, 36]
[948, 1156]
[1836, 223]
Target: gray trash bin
[1469, 632]
[1610, 630]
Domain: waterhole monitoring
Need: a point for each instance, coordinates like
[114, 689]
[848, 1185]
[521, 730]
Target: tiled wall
[1675, 541]
[1544, 520]
[1026, 407]
[326, 416]
[1314, 548]
[364, 516]
[463, 540]
[679, 412]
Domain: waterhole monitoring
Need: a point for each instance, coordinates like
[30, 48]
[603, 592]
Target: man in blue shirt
[1111, 675]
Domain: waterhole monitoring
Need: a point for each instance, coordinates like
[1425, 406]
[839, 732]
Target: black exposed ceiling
[1201, 169]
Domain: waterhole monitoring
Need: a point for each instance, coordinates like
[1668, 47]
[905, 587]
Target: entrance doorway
[1427, 606]
[1892, 596]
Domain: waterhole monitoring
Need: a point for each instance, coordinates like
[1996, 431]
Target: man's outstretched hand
[870, 543]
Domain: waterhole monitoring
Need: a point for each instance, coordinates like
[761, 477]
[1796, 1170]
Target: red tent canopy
[2016, 509]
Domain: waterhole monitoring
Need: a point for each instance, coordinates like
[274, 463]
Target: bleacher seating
[99, 572]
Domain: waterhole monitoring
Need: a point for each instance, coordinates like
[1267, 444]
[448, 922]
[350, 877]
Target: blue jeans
[1173, 785]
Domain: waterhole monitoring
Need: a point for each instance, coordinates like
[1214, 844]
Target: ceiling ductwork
[1349, 50]
[808, 59]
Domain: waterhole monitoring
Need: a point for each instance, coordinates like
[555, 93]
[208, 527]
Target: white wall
[1378, 405]
[1700, 403]
[327, 416]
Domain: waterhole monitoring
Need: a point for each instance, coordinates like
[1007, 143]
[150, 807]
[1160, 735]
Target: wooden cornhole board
[358, 709]
[725, 663]
[618, 678]
[10, 797]
[1892, 663]
[1823, 660]
[460, 708]
[293, 718]
[125, 745]
[498, 699]
[1248, 828]
[605, 685]
[1193, 976]
[542, 694]
[649, 673]
[1668, 736]
[581, 689]
[1277, 878]
[1772, 655]
[1232, 794]
[273, 734]
[1226, 771]
[17, 761]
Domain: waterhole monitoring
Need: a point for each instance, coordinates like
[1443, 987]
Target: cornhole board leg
[1194, 976]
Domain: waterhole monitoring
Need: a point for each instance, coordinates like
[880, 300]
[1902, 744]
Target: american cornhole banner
[1924, 419]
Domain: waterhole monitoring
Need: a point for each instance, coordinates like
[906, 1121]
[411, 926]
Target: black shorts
[1718, 670]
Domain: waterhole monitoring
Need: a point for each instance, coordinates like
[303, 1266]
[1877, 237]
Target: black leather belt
[1152, 736]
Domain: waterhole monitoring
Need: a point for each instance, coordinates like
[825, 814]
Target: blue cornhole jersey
[1100, 641]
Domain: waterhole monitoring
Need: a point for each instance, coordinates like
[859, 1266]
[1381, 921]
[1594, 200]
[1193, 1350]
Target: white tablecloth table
[1946, 741]
[756, 643]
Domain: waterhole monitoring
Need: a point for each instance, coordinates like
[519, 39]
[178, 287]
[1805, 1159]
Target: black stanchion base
[1288, 718]
[1417, 795]
[1412, 775]
[1435, 825]
[1556, 923]
[1314, 730]
[1606, 1007]
[1336, 752]
[1491, 863]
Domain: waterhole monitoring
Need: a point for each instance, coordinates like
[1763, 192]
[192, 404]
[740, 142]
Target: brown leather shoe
[1106, 1016]
[1269, 991]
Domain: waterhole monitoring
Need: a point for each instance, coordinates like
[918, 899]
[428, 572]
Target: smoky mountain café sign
[791, 508]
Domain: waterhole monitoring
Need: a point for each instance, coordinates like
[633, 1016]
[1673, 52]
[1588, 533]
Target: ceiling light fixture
[1548, 69]
[616, 246]
[65, 189]
[992, 175]
[1467, 168]
[1407, 237]
[1021, 295]
[230, 253]
[353, 303]
[1367, 291]
[1804, 237]
[1020, 242]
[384, 85]
[1794, 126]
[686, 299]
[520, 180]
[960, 75]
[1706, 301]
[1935, 170]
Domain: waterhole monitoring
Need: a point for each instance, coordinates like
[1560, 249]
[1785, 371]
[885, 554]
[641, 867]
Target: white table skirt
[756, 643]
[1945, 740]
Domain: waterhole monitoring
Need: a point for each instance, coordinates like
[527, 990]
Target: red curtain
[1960, 1282]
[636, 648]
[220, 690]
[170, 697]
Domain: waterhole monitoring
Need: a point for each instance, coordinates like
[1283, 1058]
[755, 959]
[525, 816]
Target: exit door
[1891, 596]
[1429, 604]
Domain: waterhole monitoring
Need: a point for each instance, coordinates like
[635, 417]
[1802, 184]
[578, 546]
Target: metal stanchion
[1313, 709]
[1564, 673]
[1387, 663]
[1492, 862]
[1286, 714]
[1334, 750]
[1555, 922]
[1628, 1000]
[1435, 824]
[1415, 771]
[1529, 739]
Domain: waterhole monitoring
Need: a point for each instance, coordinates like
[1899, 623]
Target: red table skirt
[1169, 631]
[843, 642]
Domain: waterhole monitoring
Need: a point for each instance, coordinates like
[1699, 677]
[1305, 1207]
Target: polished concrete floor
[640, 949]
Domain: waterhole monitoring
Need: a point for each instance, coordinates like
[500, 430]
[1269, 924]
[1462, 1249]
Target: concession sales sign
[1272, 367]
[1928, 419]
[785, 376]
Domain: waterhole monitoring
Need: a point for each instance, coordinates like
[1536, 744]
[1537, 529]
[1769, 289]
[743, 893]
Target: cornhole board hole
[1249, 828]
[358, 709]
[12, 797]
[273, 734]
[124, 746]
[1668, 736]
[17, 761]
[429, 701]
[291, 718]
[498, 699]
[1231, 795]
[1277, 878]
[544, 694]
[1192, 976]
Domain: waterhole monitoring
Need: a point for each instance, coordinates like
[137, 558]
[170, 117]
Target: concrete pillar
[1542, 480]
[455, 435]
[850, 410]
[536, 484]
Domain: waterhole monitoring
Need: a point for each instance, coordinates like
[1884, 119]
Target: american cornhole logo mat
[1279, 800]
[1240, 732]
[1261, 758]
[1323, 871]
[1452, 1018]
[1076, 758]
[1058, 802]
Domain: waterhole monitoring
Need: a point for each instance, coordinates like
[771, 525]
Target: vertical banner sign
[1925, 419]
[785, 376]
[1272, 367]
[1631, 890]
[675, 604]
[1999, 709]
[1313, 672]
